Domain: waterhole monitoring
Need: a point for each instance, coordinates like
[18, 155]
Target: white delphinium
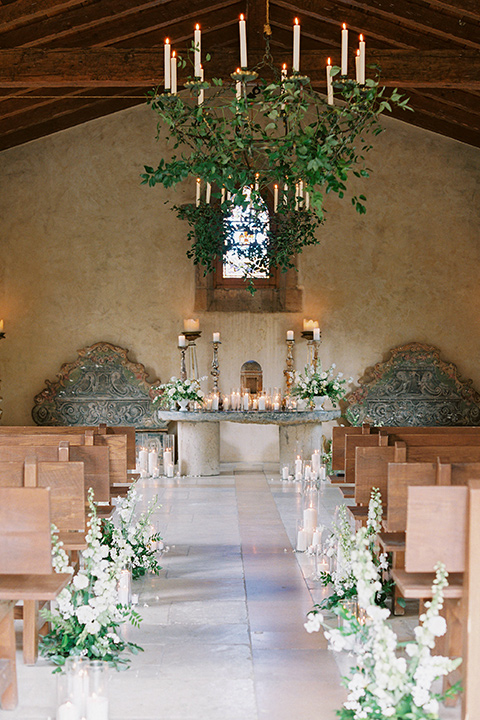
[375, 512]
[383, 684]
[60, 559]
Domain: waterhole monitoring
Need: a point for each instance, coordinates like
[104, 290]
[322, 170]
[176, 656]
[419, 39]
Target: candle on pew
[208, 193]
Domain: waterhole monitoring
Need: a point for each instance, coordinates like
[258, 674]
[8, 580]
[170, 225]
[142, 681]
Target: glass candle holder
[125, 587]
[97, 699]
[72, 689]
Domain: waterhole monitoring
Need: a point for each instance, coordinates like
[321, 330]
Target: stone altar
[199, 434]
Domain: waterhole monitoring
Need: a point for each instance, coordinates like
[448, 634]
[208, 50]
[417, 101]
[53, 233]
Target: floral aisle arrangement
[389, 679]
[87, 617]
[340, 549]
[177, 390]
[316, 382]
[133, 540]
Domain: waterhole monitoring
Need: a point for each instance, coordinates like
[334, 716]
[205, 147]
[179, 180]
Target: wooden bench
[25, 569]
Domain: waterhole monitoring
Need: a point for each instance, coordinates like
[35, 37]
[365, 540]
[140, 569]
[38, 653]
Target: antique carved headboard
[101, 386]
[414, 387]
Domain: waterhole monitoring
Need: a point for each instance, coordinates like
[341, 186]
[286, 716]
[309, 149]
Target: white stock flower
[80, 581]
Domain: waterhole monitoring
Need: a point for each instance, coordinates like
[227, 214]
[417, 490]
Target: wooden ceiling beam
[445, 113]
[403, 13]
[22, 12]
[462, 8]
[105, 21]
[137, 68]
[329, 18]
[426, 121]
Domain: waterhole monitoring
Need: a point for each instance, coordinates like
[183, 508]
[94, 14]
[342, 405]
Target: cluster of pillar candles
[170, 85]
[148, 460]
[83, 690]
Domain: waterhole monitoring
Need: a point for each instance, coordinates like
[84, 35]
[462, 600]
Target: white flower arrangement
[340, 548]
[318, 382]
[384, 684]
[132, 539]
[87, 615]
[177, 389]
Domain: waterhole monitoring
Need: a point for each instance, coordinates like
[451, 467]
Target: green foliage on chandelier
[277, 133]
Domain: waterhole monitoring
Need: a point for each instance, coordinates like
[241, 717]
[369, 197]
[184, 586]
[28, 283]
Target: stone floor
[222, 626]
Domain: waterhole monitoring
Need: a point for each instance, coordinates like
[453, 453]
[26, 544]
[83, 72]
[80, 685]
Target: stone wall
[89, 254]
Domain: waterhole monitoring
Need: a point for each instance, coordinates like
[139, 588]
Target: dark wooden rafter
[109, 67]
[81, 59]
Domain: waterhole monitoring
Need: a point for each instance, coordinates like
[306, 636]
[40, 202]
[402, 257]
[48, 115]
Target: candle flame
[329, 61]
[361, 38]
[242, 17]
[167, 41]
[358, 53]
[173, 54]
[197, 27]
[276, 187]
[284, 66]
[296, 21]
[198, 180]
[237, 70]
[344, 26]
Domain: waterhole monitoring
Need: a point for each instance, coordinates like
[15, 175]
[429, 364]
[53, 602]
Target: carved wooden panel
[101, 386]
[414, 387]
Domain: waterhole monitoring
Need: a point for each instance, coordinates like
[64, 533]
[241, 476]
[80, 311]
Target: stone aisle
[223, 624]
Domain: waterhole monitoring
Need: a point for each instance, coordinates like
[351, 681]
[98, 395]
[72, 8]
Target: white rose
[85, 614]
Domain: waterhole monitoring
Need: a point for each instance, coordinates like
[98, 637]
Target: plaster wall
[89, 254]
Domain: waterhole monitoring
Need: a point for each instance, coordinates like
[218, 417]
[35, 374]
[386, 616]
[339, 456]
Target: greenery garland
[279, 132]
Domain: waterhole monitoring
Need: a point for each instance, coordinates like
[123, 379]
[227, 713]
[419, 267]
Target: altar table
[199, 434]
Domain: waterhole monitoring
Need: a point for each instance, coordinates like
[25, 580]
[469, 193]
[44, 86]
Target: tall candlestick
[242, 27]
[167, 68]
[361, 62]
[344, 50]
[197, 192]
[208, 193]
[296, 46]
[201, 94]
[173, 73]
[329, 83]
[215, 371]
[197, 41]
[275, 198]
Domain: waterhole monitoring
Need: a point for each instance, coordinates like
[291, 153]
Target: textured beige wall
[89, 254]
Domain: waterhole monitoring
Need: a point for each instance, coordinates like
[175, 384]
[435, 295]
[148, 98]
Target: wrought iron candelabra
[215, 371]
[289, 371]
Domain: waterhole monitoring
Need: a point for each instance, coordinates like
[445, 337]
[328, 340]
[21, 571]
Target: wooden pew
[65, 482]
[338, 443]
[352, 442]
[95, 460]
[25, 568]
[117, 445]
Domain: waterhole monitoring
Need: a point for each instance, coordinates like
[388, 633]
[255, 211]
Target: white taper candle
[344, 50]
[197, 41]
[242, 27]
[166, 70]
[296, 46]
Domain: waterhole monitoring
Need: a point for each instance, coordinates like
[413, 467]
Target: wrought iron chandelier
[266, 130]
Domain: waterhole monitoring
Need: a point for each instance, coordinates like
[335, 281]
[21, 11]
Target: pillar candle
[275, 198]
[246, 401]
[242, 27]
[143, 459]
[290, 335]
[167, 66]
[197, 40]
[167, 459]
[317, 537]
[323, 473]
[285, 472]
[302, 540]
[191, 325]
[226, 402]
[298, 466]
[215, 402]
[310, 518]
[216, 337]
[262, 403]
[344, 50]
[152, 462]
[296, 46]
[308, 472]
[67, 711]
[316, 333]
[329, 83]
[316, 462]
[173, 73]
[97, 707]
[198, 189]
[361, 62]
[170, 470]
[182, 341]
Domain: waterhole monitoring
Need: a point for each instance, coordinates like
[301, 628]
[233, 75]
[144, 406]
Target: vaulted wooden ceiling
[64, 62]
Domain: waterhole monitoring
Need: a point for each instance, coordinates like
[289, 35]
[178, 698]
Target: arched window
[248, 236]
